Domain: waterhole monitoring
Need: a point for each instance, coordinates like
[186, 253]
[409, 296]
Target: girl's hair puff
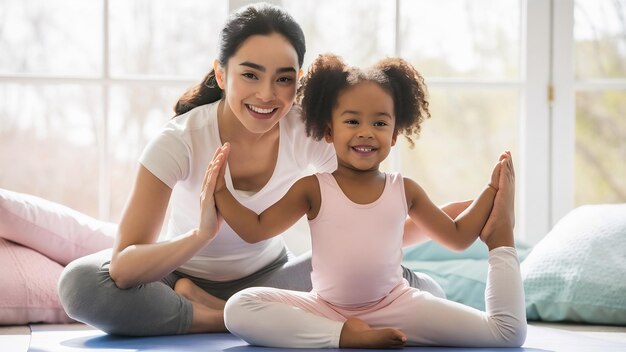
[318, 91]
[328, 76]
[409, 93]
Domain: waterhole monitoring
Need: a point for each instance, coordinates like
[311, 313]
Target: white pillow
[58, 232]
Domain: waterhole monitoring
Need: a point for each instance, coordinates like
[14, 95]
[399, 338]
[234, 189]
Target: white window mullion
[534, 160]
[104, 190]
[563, 110]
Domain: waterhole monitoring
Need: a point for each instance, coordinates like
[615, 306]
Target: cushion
[462, 275]
[578, 271]
[60, 233]
[28, 292]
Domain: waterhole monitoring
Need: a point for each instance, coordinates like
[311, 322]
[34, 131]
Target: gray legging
[89, 295]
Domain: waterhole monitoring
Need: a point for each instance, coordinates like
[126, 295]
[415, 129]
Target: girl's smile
[362, 126]
[364, 150]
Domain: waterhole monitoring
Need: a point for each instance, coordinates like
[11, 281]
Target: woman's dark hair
[328, 76]
[255, 19]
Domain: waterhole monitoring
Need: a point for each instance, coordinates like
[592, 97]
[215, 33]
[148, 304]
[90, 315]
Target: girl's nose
[365, 132]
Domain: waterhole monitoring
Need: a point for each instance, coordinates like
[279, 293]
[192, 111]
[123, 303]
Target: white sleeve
[323, 157]
[167, 156]
[317, 154]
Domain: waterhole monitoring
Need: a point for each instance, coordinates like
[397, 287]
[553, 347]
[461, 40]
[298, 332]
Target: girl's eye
[352, 122]
[249, 75]
[380, 123]
[285, 80]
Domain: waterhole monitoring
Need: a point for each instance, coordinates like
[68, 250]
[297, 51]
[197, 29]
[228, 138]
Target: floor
[42, 338]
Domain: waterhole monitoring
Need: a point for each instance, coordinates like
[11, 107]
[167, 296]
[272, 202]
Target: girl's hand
[209, 219]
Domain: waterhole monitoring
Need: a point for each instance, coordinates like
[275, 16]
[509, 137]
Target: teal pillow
[433, 251]
[463, 280]
[578, 271]
[462, 275]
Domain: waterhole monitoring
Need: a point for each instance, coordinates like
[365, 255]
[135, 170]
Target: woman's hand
[495, 174]
[213, 180]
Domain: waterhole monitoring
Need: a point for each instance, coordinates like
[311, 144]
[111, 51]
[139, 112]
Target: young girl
[178, 285]
[356, 215]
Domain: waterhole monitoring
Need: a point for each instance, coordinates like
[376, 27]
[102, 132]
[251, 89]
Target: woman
[179, 285]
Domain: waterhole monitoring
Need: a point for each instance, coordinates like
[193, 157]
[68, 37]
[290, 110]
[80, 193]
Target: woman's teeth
[260, 110]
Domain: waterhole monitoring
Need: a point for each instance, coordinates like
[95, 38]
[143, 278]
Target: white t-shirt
[179, 156]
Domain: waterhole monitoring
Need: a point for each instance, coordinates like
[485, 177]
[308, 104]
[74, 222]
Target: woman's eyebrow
[262, 69]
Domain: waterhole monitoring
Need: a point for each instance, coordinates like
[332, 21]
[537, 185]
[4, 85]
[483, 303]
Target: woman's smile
[261, 113]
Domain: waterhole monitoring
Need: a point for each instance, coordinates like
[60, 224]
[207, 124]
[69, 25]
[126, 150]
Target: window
[469, 53]
[600, 95]
[85, 83]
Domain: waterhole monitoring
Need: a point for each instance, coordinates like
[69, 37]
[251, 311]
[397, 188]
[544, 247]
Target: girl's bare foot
[357, 334]
[498, 230]
[192, 292]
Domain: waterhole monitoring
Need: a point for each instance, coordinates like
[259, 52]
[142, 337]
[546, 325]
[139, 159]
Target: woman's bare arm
[137, 257]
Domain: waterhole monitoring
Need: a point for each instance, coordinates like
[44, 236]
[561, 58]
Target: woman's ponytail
[205, 92]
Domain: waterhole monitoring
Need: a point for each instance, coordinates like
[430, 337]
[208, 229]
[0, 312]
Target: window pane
[460, 143]
[60, 37]
[462, 38]
[49, 137]
[600, 147]
[137, 114]
[362, 32]
[165, 38]
[600, 39]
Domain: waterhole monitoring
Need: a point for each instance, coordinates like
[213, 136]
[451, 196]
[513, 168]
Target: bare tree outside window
[469, 53]
[600, 49]
[78, 105]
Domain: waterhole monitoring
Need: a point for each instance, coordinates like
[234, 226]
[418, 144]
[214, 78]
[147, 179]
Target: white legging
[281, 318]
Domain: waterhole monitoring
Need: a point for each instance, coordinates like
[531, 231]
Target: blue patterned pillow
[578, 271]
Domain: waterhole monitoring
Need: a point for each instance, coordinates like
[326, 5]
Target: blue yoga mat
[64, 338]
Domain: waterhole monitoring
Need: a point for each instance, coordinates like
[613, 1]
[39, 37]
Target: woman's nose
[267, 93]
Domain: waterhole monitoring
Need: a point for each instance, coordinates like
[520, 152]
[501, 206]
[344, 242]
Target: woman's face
[260, 80]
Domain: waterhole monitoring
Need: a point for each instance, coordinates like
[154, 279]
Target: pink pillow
[28, 292]
[58, 232]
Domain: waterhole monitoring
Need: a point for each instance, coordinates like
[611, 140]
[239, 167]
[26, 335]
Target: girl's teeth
[364, 150]
[260, 110]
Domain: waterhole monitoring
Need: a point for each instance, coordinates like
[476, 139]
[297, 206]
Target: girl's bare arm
[253, 227]
[414, 235]
[459, 233]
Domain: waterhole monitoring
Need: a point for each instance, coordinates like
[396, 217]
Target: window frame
[547, 86]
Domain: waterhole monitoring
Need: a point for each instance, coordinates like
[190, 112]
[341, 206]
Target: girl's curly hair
[328, 76]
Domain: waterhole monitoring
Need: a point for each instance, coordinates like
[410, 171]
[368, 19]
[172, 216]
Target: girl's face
[259, 81]
[363, 126]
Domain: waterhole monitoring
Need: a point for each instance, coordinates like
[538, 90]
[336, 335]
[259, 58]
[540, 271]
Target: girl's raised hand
[213, 180]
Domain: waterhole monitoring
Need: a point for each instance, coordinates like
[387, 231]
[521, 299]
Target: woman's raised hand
[213, 180]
